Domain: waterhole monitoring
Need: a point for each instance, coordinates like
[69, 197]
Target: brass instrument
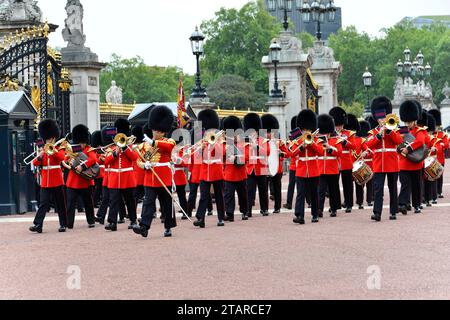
[306, 139]
[50, 148]
[211, 139]
[148, 156]
[392, 122]
[122, 141]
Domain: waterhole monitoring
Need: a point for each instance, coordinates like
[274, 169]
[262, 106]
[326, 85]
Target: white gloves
[148, 165]
[148, 140]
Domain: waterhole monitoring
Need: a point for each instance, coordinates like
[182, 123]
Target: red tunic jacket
[236, 173]
[181, 163]
[121, 170]
[329, 163]
[439, 153]
[421, 139]
[348, 145]
[163, 165]
[308, 166]
[51, 173]
[258, 158]
[385, 156]
[74, 180]
[212, 166]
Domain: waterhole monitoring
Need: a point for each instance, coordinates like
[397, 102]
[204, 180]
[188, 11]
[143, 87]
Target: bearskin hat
[326, 124]
[409, 111]
[307, 120]
[381, 105]
[252, 121]
[80, 134]
[209, 119]
[96, 139]
[364, 128]
[294, 123]
[353, 123]
[138, 132]
[373, 123]
[232, 123]
[270, 123]
[419, 105]
[48, 129]
[123, 126]
[339, 115]
[431, 123]
[161, 119]
[437, 116]
[108, 134]
[423, 121]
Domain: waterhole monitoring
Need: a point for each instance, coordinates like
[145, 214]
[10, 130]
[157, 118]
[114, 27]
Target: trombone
[306, 139]
[122, 141]
[211, 139]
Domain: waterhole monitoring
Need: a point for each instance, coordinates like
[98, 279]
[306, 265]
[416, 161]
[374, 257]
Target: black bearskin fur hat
[107, 136]
[252, 121]
[339, 115]
[209, 119]
[353, 123]
[161, 119]
[381, 103]
[270, 123]
[373, 123]
[294, 123]
[307, 120]
[138, 132]
[232, 123]
[423, 121]
[409, 111]
[437, 116]
[123, 126]
[326, 124]
[48, 129]
[431, 123]
[80, 134]
[96, 140]
[364, 128]
[419, 105]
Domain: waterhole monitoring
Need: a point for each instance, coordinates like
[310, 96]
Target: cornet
[211, 139]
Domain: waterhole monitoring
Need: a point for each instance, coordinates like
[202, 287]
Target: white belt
[102, 167]
[179, 169]
[107, 170]
[162, 164]
[345, 152]
[385, 150]
[121, 170]
[368, 160]
[307, 159]
[217, 161]
[258, 158]
[326, 158]
[51, 168]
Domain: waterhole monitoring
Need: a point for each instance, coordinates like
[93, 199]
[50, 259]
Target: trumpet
[306, 139]
[392, 122]
[122, 141]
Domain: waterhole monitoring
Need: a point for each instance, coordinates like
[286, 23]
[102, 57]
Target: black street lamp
[197, 39]
[275, 56]
[285, 5]
[367, 80]
[317, 10]
[415, 68]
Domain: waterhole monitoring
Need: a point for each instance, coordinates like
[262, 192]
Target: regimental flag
[183, 117]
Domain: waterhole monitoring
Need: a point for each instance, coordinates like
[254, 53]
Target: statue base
[277, 107]
[200, 104]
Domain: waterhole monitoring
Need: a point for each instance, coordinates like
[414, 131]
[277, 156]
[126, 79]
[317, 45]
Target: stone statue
[446, 92]
[20, 10]
[114, 94]
[73, 32]
[398, 94]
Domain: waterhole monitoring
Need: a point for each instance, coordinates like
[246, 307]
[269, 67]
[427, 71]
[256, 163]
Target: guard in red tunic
[257, 170]
[328, 161]
[294, 134]
[122, 179]
[211, 173]
[139, 173]
[51, 182]
[410, 172]
[158, 182]
[435, 146]
[308, 174]
[235, 172]
[96, 143]
[346, 159]
[365, 154]
[181, 162]
[78, 186]
[440, 134]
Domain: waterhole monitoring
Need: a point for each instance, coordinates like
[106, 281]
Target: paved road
[349, 257]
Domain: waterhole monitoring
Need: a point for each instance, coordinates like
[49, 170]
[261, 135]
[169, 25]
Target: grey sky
[159, 30]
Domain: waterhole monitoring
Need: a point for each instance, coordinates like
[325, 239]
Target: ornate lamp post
[275, 55]
[414, 69]
[197, 39]
[367, 80]
[285, 5]
[317, 10]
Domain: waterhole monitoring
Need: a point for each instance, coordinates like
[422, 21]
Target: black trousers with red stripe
[47, 195]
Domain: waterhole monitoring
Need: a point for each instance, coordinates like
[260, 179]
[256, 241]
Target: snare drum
[362, 173]
[433, 169]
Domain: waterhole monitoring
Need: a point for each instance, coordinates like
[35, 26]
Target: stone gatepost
[325, 71]
[84, 69]
[199, 104]
[292, 78]
[445, 107]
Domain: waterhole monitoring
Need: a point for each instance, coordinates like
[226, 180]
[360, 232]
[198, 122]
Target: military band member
[384, 143]
[139, 173]
[96, 143]
[307, 172]
[435, 146]
[235, 173]
[328, 161]
[366, 155]
[346, 159]
[440, 134]
[294, 134]
[410, 172]
[181, 162]
[51, 180]
[257, 170]
[78, 186]
[211, 174]
[158, 182]
[122, 179]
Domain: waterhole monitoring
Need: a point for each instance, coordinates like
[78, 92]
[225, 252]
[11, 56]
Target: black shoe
[403, 210]
[429, 205]
[210, 213]
[434, 202]
[37, 229]
[370, 204]
[277, 212]
[376, 217]
[141, 230]
[121, 221]
[287, 206]
[441, 196]
[244, 217]
[320, 214]
[421, 207]
[333, 215]
[265, 213]
[132, 224]
[418, 211]
[221, 224]
[70, 227]
[62, 229]
[348, 210]
[183, 217]
[393, 217]
[272, 198]
[298, 220]
[200, 223]
[91, 226]
[100, 220]
[168, 233]
[250, 215]
[408, 207]
[111, 227]
[315, 220]
[230, 219]
[361, 207]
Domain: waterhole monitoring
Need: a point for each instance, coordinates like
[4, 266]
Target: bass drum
[274, 159]
[362, 173]
[433, 169]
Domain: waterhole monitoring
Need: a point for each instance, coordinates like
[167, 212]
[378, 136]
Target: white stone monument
[114, 94]
[406, 89]
[326, 71]
[84, 70]
[291, 70]
[445, 107]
